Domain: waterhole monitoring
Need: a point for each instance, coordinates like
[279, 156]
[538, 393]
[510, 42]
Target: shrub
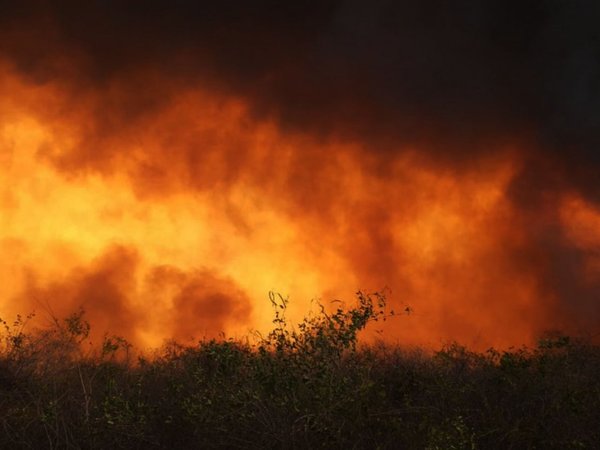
[305, 386]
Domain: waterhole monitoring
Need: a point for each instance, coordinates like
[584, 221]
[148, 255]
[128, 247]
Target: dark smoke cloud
[570, 296]
[203, 303]
[103, 290]
[454, 75]
[192, 304]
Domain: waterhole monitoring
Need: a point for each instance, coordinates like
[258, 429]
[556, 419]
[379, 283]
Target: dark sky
[451, 73]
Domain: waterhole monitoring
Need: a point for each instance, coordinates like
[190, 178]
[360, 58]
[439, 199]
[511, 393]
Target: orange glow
[178, 223]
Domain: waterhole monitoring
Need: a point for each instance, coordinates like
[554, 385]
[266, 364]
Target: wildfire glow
[178, 223]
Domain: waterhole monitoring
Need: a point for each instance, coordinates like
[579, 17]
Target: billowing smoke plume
[446, 150]
[185, 305]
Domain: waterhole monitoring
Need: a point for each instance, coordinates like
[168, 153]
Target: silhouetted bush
[308, 386]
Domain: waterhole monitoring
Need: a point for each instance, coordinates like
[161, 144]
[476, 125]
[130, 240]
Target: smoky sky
[455, 80]
[462, 74]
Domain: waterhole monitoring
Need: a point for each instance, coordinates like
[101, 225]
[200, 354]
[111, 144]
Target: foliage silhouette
[304, 386]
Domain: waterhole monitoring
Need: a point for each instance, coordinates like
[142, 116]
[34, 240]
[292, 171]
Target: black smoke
[430, 71]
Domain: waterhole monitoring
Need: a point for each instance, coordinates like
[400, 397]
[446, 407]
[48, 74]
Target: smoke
[101, 290]
[203, 303]
[117, 300]
[312, 146]
[453, 78]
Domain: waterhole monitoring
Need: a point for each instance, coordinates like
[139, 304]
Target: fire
[178, 220]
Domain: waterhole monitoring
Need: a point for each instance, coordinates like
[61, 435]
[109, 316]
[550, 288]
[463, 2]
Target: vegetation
[308, 386]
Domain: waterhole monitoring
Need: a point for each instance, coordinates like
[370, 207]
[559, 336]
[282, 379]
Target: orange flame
[177, 222]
